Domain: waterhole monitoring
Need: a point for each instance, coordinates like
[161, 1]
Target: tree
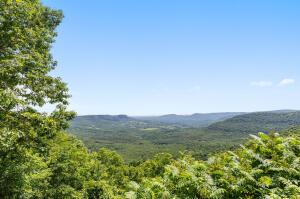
[27, 31]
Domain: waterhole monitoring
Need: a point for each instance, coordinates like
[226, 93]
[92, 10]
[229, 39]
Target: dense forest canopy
[38, 159]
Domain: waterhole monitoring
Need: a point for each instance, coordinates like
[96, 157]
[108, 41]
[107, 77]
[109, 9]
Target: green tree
[27, 31]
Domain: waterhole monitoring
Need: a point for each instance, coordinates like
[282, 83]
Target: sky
[156, 57]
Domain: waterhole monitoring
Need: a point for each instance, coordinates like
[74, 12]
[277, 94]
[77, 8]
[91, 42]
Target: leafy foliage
[27, 30]
[266, 167]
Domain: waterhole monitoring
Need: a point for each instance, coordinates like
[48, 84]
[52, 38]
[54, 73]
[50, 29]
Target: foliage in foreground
[267, 166]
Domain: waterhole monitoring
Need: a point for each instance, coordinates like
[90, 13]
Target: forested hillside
[260, 121]
[39, 159]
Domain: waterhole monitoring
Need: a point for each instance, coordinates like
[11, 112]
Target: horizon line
[157, 115]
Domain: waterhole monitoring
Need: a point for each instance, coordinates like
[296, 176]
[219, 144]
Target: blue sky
[156, 57]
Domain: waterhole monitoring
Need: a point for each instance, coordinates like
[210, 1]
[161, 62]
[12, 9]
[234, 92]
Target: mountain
[196, 120]
[258, 122]
[112, 122]
[96, 118]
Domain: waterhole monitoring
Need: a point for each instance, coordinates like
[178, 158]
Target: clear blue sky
[151, 57]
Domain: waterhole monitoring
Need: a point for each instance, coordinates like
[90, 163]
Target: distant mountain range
[97, 118]
[114, 122]
[196, 120]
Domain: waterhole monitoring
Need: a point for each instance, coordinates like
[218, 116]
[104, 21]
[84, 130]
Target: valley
[140, 138]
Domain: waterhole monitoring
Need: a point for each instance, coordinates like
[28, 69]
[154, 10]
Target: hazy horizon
[160, 57]
[187, 114]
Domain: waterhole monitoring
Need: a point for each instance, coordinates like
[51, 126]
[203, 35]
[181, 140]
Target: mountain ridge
[196, 120]
[258, 122]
